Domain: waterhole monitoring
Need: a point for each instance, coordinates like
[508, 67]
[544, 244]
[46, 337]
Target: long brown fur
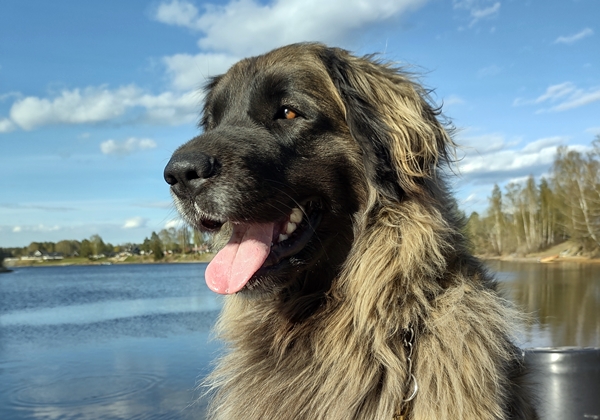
[408, 267]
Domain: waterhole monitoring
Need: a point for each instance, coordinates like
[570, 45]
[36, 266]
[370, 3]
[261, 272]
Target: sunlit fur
[408, 267]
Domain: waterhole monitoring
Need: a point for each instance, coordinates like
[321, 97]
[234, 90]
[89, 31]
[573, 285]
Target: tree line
[171, 240]
[529, 216]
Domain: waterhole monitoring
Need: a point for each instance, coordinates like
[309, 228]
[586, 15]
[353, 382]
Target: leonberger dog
[351, 290]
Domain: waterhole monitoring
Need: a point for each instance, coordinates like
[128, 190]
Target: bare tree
[495, 212]
[576, 177]
[548, 214]
[183, 235]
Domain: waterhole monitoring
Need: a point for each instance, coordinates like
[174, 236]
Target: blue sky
[95, 96]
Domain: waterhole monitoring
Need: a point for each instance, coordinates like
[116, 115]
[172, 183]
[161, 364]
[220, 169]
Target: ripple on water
[74, 391]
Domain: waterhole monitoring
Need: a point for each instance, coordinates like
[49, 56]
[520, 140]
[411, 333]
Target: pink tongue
[247, 250]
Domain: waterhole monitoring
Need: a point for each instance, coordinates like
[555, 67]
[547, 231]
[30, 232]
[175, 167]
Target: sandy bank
[562, 252]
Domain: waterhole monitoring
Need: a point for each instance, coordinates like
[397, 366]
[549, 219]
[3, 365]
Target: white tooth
[282, 237]
[290, 228]
[296, 216]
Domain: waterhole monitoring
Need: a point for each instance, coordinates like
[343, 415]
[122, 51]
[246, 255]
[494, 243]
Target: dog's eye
[289, 114]
[286, 113]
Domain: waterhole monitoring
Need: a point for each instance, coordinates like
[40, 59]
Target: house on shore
[43, 256]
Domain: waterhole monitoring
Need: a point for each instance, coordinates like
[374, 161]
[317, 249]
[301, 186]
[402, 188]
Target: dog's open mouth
[260, 246]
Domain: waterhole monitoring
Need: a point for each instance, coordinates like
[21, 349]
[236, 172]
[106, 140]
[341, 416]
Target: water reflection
[111, 310]
[131, 342]
[564, 299]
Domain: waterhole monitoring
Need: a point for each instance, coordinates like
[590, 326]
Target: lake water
[562, 299]
[133, 341]
[105, 342]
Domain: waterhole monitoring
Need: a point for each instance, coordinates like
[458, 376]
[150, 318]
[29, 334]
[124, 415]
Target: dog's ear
[390, 117]
[209, 87]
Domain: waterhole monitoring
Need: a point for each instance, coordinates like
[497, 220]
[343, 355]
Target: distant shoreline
[562, 252]
[179, 259]
[538, 259]
[550, 256]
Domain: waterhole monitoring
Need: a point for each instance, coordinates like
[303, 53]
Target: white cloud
[478, 9]
[243, 27]
[556, 92]
[506, 161]
[595, 131]
[472, 197]
[495, 159]
[577, 99]
[191, 71]
[35, 228]
[127, 147]
[180, 13]
[171, 108]
[564, 96]
[101, 104]
[135, 222]
[155, 204]
[90, 105]
[8, 95]
[570, 39]
[453, 100]
[174, 223]
[6, 125]
[478, 14]
[539, 145]
[487, 143]
[489, 71]
[36, 206]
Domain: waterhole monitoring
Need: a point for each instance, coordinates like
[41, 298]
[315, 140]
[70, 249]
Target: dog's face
[295, 143]
[277, 163]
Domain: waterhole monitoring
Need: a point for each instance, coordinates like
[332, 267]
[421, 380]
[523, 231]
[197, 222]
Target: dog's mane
[409, 268]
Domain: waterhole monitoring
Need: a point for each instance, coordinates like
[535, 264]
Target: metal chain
[408, 341]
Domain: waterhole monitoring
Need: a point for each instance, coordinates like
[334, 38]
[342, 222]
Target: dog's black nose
[186, 172]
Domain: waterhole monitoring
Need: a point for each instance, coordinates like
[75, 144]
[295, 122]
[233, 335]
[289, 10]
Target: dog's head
[296, 143]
